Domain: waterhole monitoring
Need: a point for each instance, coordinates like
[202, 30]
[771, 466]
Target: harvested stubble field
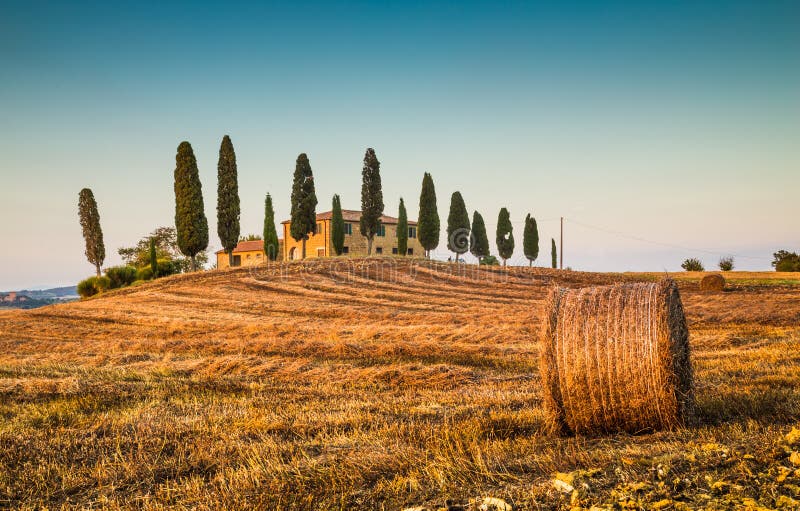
[376, 384]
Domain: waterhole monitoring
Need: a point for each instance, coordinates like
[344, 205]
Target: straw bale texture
[712, 282]
[616, 358]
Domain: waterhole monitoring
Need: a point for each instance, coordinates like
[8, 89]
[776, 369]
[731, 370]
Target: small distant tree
[479, 241]
[553, 253]
[692, 264]
[505, 236]
[250, 237]
[428, 219]
[371, 198]
[90, 225]
[304, 203]
[783, 260]
[458, 226]
[402, 229]
[270, 233]
[530, 239]
[190, 217]
[228, 209]
[337, 226]
[167, 253]
[153, 258]
[726, 264]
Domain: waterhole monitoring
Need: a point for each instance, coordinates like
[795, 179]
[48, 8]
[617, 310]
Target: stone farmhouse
[319, 244]
[251, 253]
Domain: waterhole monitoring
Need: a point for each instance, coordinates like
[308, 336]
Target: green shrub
[786, 261]
[137, 283]
[121, 276]
[692, 265]
[489, 261]
[86, 288]
[145, 273]
[167, 267]
[93, 286]
[787, 265]
[726, 264]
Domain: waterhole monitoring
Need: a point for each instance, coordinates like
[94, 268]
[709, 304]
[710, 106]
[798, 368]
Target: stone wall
[319, 245]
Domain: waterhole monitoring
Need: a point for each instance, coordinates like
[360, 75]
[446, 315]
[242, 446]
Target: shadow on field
[769, 406]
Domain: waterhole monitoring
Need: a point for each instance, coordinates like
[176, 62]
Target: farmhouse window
[381, 230]
[379, 250]
[345, 250]
[348, 228]
[410, 251]
[394, 250]
[412, 232]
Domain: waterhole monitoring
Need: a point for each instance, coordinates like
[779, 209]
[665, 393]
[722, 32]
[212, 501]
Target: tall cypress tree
[90, 225]
[402, 229]
[337, 226]
[553, 254]
[371, 198]
[458, 226]
[270, 233]
[428, 219]
[479, 241]
[304, 202]
[505, 235]
[530, 239]
[190, 218]
[227, 198]
[153, 258]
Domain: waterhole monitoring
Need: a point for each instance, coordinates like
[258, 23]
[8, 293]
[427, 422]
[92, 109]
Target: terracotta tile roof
[352, 215]
[247, 246]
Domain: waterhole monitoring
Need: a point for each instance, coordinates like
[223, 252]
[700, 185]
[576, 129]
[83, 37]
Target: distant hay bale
[712, 282]
[616, 358]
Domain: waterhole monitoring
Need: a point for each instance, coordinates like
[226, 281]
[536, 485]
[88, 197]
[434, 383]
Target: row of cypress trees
[192, 226]
[461, 236]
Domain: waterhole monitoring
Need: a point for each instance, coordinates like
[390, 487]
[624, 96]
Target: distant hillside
[56, 292]
[31, 299]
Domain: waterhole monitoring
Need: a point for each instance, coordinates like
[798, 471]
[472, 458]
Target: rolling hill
[342, 384]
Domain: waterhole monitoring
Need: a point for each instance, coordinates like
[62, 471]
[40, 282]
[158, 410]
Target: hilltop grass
[239, 389]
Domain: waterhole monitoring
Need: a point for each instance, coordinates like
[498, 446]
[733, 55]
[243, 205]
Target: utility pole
[561, 251]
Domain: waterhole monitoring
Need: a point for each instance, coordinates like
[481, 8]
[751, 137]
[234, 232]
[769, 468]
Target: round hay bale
[616, 358]
[712, 282]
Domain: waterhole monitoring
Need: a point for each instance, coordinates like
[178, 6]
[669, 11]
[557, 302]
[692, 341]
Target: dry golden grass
[373, 384]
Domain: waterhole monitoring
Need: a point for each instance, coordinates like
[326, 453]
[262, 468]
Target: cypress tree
[371, 198]
[479, 241]
[553, 254]
[530, 239]
[153, 257]
[190, 218]
[270, 234]
[428, 219]
[402, 229]
[337, 226]
[227, 198]
[90, 225]
[304, 202]
[458, 226]
[505, 235]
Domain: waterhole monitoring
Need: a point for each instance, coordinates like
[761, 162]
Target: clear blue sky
[676, 122]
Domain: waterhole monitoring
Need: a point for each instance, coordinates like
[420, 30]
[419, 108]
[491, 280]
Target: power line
[670, 245]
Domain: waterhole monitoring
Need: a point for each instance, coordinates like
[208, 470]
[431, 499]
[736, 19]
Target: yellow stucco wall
[319, 244]
[250, 258]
